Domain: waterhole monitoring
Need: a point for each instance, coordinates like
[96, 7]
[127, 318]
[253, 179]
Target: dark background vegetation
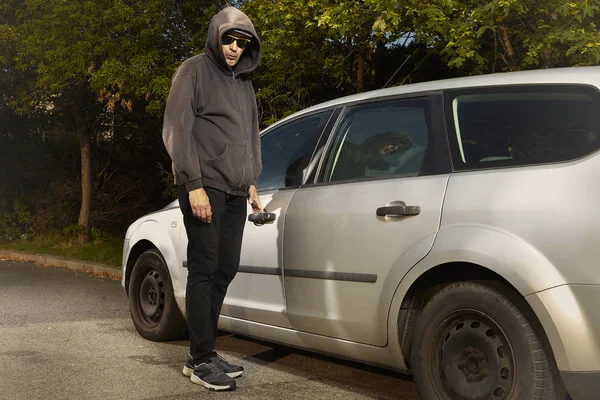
[83, 84]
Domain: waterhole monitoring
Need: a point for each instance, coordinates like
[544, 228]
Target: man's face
[233, 50]
[389, 148]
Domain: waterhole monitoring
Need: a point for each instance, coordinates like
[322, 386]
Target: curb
[74, 265]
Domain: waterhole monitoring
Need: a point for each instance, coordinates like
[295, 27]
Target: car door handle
[260, 218]
[398, 211]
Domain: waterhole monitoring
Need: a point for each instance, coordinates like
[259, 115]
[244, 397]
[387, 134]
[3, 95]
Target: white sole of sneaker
[198, 381]
[187, 371]
[234, 374]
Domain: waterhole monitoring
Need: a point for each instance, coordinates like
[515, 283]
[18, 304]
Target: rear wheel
[474, 342]
[152, 303]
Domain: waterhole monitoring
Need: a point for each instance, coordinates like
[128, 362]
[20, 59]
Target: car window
[379, 140]
[512, 127]
[285, 150]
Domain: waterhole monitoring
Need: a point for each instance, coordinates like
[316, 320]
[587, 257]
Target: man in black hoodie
[211, 133]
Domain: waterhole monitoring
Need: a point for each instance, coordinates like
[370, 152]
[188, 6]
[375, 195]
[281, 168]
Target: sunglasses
[241, 42]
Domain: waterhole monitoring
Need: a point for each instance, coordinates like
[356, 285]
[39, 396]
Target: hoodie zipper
[244, 154]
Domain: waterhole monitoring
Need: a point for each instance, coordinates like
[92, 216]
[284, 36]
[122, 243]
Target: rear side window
[516, 126]
[379, 140]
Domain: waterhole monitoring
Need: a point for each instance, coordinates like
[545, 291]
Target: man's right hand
[201, 205]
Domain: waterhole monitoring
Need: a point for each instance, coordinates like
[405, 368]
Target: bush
[15, 219]
[57, 209]
[119, 203]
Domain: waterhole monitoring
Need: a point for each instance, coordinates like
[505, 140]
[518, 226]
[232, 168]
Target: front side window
[382, 139]
[523, 126]
[286, 149]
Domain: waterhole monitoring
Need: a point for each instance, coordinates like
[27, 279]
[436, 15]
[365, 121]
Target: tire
[474, 342]
[152, 304]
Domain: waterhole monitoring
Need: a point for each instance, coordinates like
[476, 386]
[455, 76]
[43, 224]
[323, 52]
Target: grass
[103, 251]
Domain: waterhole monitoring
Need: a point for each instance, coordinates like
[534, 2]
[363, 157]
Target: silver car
[448, 229]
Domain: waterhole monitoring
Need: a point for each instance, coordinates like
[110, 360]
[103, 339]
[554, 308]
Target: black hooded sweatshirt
[210, 126]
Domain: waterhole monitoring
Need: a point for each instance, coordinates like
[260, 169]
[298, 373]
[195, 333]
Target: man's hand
[201, 205]
[254, 201]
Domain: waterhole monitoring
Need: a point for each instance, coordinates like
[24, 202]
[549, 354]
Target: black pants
[213, 256]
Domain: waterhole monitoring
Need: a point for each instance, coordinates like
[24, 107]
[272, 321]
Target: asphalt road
[68, 335]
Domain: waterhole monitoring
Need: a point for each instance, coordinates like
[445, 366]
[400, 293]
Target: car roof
[572, 75]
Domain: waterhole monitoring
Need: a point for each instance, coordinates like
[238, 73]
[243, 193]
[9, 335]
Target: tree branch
[507, 46]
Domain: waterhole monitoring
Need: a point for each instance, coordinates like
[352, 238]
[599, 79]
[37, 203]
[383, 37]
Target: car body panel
[257, 293]
[331, 230]
[569, 314]
[372, 355]
[570, 317]
[552, 209]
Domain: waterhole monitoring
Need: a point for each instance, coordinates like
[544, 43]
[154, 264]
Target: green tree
[58, 44]
[485, 36]
[88, 61]
[318, 50]
[297, 60]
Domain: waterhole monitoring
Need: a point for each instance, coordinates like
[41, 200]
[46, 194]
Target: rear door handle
[398, 211]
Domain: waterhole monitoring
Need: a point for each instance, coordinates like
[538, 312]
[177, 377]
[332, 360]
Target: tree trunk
[86, 188]
[547, 58]
[360, 73]
[510, 59]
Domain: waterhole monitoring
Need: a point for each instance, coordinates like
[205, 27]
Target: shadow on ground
[264, 358]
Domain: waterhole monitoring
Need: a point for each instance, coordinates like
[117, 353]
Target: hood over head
[231, 18]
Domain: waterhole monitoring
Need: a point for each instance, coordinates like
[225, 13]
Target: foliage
[502, 35]
[100, 72]
[148, 42]
[297, 60]
[315, 51]
[15, 220]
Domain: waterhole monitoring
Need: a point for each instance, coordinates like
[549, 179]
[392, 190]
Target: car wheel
[474, 342]
[152, 304]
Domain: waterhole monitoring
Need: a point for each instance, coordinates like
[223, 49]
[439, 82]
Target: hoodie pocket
[227, 166]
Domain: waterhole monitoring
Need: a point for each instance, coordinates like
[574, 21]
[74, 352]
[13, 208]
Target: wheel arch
[136, 251]
[154, 309]
[152, 235]
[435, 279]
[430, 283]
[472, 252]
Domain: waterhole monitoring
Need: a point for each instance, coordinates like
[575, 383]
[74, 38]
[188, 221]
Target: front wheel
[474, 342]
[152, 303]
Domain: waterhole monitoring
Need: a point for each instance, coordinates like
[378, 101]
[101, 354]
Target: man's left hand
[254, 201]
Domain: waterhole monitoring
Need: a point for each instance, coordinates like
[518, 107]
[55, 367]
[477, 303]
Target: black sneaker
[232, 370]
[210, 376]
[189, 366]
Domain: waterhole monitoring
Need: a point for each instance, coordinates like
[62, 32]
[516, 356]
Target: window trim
[320, 148]
[449, 95]
[435, 120]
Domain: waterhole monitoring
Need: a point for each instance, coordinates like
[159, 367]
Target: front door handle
[398, 211]
[261, 218]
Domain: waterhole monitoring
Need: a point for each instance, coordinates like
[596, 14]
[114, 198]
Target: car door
[257, 294]
[372, 214]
